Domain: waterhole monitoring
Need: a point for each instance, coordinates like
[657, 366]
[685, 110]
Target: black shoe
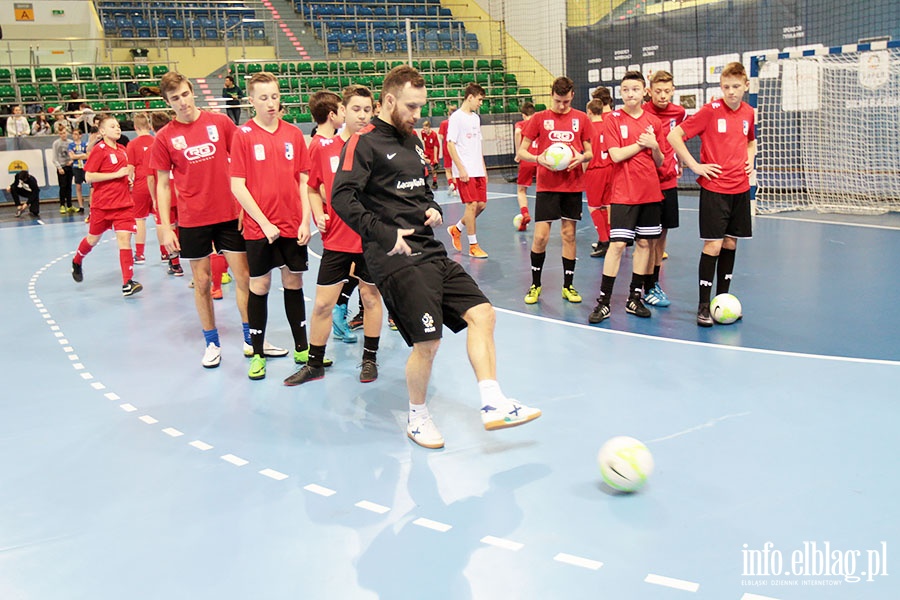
[78, 274]
[635, 307]
[434, 185]
[704, 319]
[600, 312]
[369, 371]
[598, 249]
[81, 209]
[306, 373]
[175, 269]
[131, 288]
[356, 322]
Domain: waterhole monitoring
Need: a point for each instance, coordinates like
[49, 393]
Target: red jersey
[112, 193]
[519, 126]
[325, 158]
[271, 163]
[430, 141]
[197, 155]
[635, 180]
[601, 157]
[671, 117]
[138, 151]
[546, 128]
[442, 131]
[724, 136]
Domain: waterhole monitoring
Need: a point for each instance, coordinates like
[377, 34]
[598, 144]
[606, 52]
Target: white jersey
[464, 131]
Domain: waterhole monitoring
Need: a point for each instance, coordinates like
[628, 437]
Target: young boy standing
[78, 153]
[632, 137]
[527, 171]
[138, 151]
[469, 171]
[432, 149]
[662, 88]
[598, 173]
[108, 171]
[727, 155]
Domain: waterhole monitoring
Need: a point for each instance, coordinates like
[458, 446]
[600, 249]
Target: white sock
[417, 412]
[491, 393]
[460, 225]
[473, 239]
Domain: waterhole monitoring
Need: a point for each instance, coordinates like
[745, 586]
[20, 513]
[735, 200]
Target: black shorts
[553, 206]
[424, 298]
[669, 217]
[262, 256]
[628, 222]
[197, 242]
[77, 175]
[724, 215]
[335, 268]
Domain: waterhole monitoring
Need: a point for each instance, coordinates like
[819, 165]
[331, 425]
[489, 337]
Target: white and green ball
[725, 309]
[558, 156]
[625, 463]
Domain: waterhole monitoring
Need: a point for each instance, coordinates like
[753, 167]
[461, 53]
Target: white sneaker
[269, 350]
[508, 414]
[425, 433]
[212, 357]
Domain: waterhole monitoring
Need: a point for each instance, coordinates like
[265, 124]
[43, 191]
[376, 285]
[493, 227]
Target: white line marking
[127, 407]
[372, 507]
[578, 561]
[112, 396]
[171, 431]
[54, 327]
[435, 525]
[273, 474]
[64, 342]
[87, 376]
[502, 543]
[78, 366]
[73, 357]
[98, 386]
[749, 596]
[148, 420]
[709, 423]
[200, 445]
[59, 334]
[826, 222]
[68, 349]
[235, 460]
[873, 361]
[46, 317]
[43, 310]
[678, 584]
[318, 489]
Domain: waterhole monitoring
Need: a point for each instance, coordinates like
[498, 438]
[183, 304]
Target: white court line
[749, 596]
[171, 431]
[111, 396]
[578, 561]
[148, 420]
[200, 445]
[372, 507]
[320, 490]
[435, 525]
[128, 407]
[273, 474]
[77, 366]
[235, 460]
[98, 386]
[825, 222]
[678, 584]
[502, 543]
[872, 361]
[87, 376]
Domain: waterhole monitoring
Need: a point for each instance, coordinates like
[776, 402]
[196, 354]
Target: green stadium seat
[511, 90]
[510, 79]
[377, 82]
[365, 80]
[159, 71]
[85, 73]
[123, 72]
[424, 66]
[287, 68]
[91, 91]
[456, 65]
[23, 75]
[331, 83]
[482, 65]
[43, 74]
[66, 89]
[468, 64]
[455, 79]
[5, 76]
[305, 68]
[141, 72]
[352, 67]
[272, 68]
[108, 89]
[512, 106]
[482, 78]
[441, 65]
[289, 118]
[439, 109]
[64, 74]
[103, 73]
[137, 105]
[294, 84]
[239, 69]
[344, 81]
[28, 92]
[540, 107]
[314, 84]
[254, 68]
[497, 78]
[367, 66]
[305, 117]
[497, 107]
[423, 113]
[284, 84]
[158, 105]
[320, 68]
[397, 63]
[467, 78]
[380, 66]
[7, 94]
[485, 108]
[497, 64]
[49, 91]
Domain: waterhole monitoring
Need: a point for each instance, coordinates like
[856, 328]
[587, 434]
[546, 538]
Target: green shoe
[301, 358]
[63, 211]
[257, 367]
[571, 294]
[534, 292]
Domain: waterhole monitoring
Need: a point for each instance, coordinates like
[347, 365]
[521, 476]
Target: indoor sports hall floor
[128, 471]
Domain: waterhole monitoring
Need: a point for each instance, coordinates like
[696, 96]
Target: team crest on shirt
[746, 126]
[289, 150]
[179, 143]
[259, 151]
[334, 162]
[623, 131]
[428, 323]
[548, 124]
[671, 124]
[212, 132]
[575, 125]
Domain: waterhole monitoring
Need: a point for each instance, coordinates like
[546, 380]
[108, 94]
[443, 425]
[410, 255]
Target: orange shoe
[475, 251]
[455, 237]
[217, 294]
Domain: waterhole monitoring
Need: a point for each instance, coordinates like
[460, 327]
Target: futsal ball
[625, 463]
[558, 156]
[517, 222]
[725, 309]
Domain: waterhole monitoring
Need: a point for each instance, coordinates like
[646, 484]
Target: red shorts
[117, 219]
[598, 186]
[143, 203]
[527, 173]
[473, 190]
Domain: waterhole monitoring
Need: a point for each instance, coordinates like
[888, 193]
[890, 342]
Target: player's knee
[426, 350]
[481, 316]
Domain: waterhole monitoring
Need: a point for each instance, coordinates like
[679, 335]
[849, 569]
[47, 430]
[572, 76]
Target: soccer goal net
[829, 130]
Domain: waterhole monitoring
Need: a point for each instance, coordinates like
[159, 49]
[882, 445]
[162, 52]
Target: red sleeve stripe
[351, 147]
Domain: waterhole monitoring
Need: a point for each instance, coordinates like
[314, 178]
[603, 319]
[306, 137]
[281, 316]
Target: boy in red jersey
[342, 257]
[558, 194]
[661, 90]
[432, 149]
[527, 171]
[598, 173]
[269, 171]
[195, 148]
[448, 162]
[469, 171]
[632, 136]
[158, 120]
[727, 155]
[138, 151]
[108, 172]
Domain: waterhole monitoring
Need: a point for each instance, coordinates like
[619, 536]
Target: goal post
[828, 129]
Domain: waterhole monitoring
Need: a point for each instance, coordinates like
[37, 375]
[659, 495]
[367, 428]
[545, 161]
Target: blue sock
[211, 336]
[247, 332]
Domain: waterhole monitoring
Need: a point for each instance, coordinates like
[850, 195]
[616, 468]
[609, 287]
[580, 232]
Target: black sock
[654, 277]
[316, 356]
[370, 347]
[636, 290]
[537, 266]
[295, 309]
[568, 271]
[724, 270]
[707, 271]
[606, 288]
[257, 315]
[347, 291]
[649, 281]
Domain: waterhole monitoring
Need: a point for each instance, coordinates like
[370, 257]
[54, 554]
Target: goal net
[829, 130]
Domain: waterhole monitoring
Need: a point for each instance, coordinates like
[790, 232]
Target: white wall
[43, 36]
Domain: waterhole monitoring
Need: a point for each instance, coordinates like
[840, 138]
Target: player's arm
[517, 140]
[522, 152]
[317, 207]
[164, 209]
[454, 156]
[751, 157]
[151, 187]
[303, 232]
[96, 177]
[581, 158]
[676, 140]
[248, 203]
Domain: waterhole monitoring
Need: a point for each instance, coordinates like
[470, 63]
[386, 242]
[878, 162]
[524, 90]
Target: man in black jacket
[381, 192]
[25, 186]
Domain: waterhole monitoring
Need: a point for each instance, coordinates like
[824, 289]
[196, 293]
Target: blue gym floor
[128, 471]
